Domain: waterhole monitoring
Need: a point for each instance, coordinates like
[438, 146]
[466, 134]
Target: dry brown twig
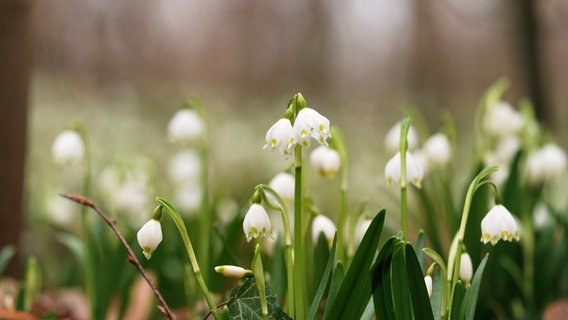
[163, 306]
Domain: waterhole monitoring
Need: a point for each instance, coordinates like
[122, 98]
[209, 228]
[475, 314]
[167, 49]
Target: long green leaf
[334, 286]
[459, 293]
[420, 300]
[323, 284]
[382, 293]
[470, 300]
[355, 290]
[400, 285]
[6, 254]
[437, 259]
[420, 244]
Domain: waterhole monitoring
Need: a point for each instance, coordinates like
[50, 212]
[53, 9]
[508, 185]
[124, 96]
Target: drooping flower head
[281, 137]
[325, 160]
[502, 119]
[283, 183]
[257, 223]
[185, 126]
[392, 138]
[68, 148]
[323, 224]
[413, 170]
[310, 124]
[149, 237]
[499, 224]
[437, 149]
[546, 163]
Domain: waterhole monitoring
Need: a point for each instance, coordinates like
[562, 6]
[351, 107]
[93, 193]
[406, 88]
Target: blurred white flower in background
[188, 197]
[545, 163]
[541, 216]
[68, 148]
[185, 165]
[283, 183]
[325, 160]
[185, 126]
[392, 138]
[361, 227]
[414, 171]
[499, 224]
[502, 119]
[63, 212]
[437, 150]
[323, 224]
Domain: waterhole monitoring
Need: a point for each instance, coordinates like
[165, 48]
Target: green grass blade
[323, 284]
[382, 294]
[470, 300]
[420, 300]
[400, 285]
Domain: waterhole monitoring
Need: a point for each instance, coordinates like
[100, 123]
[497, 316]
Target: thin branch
[163, 307]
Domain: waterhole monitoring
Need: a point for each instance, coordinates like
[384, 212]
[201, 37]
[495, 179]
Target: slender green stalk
[300, 290]
[204, 214]
[457, 242]
[90, 268]
[258, 272]
[527, 245]
[339, 144]
[403, 183]
[287, 244]
[173, 213]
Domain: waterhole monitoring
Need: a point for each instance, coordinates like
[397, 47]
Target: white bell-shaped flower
[414, 171]
[257, 223]
[325, 160]
[185, 126]
[428, 283]
[310, 124]
[502, 119]
[281, 137]
[323, 224]
[499, 224]
[68, 148]
[283, 183]
[361, 227]
[546, 163]
[541, 216]
[149, 237]
[392, 138]
[437, 149]
[235, 272]
[184, 166]
[466, 268]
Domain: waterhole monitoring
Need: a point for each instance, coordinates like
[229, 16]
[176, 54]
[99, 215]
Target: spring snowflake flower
[184, 166]
[310, 124]
[414, 171]
[502, 119]
[185, 126]
[281, 137]
[68, 148]
[235, 272]
[428, 283]
[283, 183]
[361, 227]
[546, 163]
[257, 223]
[437, 149]
[325, 160]
[392, 138]
[323, 224]
[149, 237]
[499, 224]
[466, 268]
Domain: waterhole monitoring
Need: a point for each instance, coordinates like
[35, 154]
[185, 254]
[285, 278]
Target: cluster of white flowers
[499, 224]
[309, 124]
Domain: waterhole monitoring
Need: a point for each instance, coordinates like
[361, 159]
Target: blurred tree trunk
[15, 61]
[528, 41]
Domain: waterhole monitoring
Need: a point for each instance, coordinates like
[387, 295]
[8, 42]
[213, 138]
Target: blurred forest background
[124, 67]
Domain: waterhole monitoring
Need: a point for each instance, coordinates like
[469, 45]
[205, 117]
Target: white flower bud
[413, 170]
[325, 160]
[68, 148]
[257, 223]
[185, 126]
[232, 271]
[149, 237]
[466, 268]
[323, 224]
[428, 283]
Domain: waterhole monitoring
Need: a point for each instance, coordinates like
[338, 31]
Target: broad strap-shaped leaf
[323, 284]
[336, 281]
[400, 286]
[420, 244]
[382, 293]
[244, 303]
[420, 300]
[459, 293]
[437, 294]
[355, 290]
[469, 303]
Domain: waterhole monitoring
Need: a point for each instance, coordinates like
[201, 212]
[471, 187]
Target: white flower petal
[323, 224]
[68, 148]
[149, 237]
[185, 125]
[256, 223]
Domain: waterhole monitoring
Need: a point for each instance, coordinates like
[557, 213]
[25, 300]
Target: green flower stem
[457, 242]
[258, 273]
[338, 142]
[403, 184]
[300, 290]
[527, 245]
[90, 268]
[204, 214]
[287, 243]
[173, 213]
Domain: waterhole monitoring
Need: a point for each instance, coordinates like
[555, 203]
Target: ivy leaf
[244, 303]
